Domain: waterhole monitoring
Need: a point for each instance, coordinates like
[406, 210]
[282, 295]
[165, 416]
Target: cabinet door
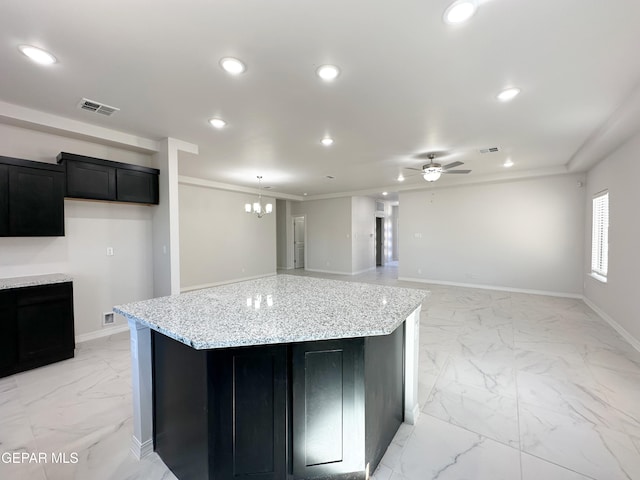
[45, 323]
[135, 186]
[89, 180]
[8, 334]
[4, 200]
[36, 202]
[328, 408]
[180, 413]
[250, 400]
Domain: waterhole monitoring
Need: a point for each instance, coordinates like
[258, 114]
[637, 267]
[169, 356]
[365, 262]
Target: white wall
[100, 282]
[221, 243]
[363, 228]
[525, 234]
[328, 223]
[619, 173]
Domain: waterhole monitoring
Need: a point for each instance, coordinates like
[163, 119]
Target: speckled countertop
[33, 280]
[276, 309]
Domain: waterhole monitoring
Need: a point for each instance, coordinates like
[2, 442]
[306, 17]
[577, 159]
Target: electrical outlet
[109, 251]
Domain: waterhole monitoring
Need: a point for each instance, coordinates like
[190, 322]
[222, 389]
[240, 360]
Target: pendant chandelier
[257, 207]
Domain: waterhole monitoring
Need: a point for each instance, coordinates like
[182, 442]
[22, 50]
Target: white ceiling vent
[489, 150]
[97, 107]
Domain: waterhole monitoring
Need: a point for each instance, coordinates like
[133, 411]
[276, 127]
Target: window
[600, 236]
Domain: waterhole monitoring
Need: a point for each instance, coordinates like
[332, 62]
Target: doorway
[379, 240]
[298, 241]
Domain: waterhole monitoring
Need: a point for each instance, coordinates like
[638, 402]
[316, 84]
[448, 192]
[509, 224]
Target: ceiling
[409, 82]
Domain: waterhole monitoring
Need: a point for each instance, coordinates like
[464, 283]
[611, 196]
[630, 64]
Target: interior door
[298, 242]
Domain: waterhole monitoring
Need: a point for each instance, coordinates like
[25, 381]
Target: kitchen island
[274, 378]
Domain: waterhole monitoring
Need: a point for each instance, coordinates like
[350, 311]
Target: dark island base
[313, 410]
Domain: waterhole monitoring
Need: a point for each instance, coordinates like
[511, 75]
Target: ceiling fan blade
[456, 171]
[452, 165]
[411, 168]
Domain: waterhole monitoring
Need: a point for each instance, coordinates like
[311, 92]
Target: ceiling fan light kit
[432, 172]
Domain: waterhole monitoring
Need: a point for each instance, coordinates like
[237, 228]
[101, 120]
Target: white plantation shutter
[600, 236]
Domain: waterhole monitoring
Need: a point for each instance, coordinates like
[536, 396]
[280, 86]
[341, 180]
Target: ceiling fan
[432, 171]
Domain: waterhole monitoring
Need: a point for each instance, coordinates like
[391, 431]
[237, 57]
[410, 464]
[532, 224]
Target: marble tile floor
[512, 386]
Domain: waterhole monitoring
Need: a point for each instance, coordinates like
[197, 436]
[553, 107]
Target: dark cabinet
[36, 326]
[328, 408]
[137, 186]
[8, 334]
[98, 179]
[91, 181]
[323, 409]
[45, 322]
[251, 409]
[31, 198]
[220, 414]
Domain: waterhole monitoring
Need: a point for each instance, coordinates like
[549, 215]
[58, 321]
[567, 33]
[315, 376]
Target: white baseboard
[411, 416]
[615, 325]
[105, 332]
[224, 282]
[332, 272]
[364, 271]
[492, 287]
[141, 450]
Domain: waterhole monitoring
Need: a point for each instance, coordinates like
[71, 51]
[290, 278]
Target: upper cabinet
[97, 179]
[31, 198]
[90, 180]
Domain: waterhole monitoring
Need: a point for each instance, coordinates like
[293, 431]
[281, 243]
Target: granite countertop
[276, 309]
[34, 280]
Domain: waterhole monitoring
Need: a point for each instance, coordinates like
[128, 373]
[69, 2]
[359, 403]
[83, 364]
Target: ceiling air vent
[97, 107]
[489, 150]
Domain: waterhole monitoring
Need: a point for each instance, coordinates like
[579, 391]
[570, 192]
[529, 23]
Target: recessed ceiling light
[508, 94]
[385, 193]
[328, 72]
[37, 55]
[401, 178]
[232, 65]
[217, 123]
[327, 141]
[508, 163]
[459, 12]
